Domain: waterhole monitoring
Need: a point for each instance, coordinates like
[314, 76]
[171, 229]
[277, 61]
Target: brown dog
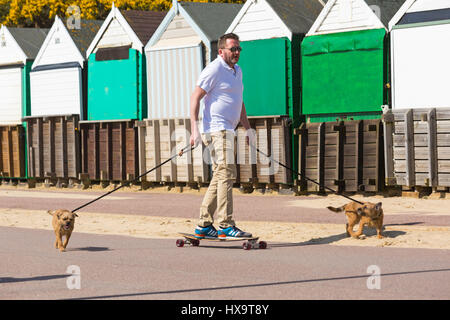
[368, 213]
[63, 222]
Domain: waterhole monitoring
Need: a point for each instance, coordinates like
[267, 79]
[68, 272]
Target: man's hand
[195, 138]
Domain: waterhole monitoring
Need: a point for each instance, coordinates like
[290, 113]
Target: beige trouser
[219, 195]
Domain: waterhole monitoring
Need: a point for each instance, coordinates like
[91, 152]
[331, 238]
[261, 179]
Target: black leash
[306, 178]
[179, 154]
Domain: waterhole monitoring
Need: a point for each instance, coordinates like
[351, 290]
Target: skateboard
[248, 244]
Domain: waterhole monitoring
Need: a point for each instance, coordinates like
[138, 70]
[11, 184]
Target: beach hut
[117, 95]
[58, 100]
[117, 67]
[344, 86]
[271, 32]
[417, 131]
[344, 61]
[184, 43]
[59, 70]
[18, 49]
[420, 54]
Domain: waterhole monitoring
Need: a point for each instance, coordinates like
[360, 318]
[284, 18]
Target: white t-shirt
[223, 99]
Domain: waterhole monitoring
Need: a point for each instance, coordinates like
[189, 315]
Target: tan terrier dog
[63, 222]
[367, 213]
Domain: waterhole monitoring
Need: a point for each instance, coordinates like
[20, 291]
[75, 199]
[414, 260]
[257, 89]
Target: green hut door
[113, 82]
[343, 73]
[264, 67]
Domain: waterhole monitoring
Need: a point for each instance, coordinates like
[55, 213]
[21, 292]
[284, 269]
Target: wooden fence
[274, 139]
[344, 156]
[160, 140]
[12, 151]
[109, 150]
[53, 146]
[417, 147]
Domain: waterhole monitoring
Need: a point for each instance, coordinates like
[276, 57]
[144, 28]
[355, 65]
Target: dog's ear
[50, 212]
[360, 211]
[75, 215]
[378, 206]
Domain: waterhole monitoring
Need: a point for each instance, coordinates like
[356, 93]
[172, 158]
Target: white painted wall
[259, 22]
[56, 92]
[10, 52]
[420, 67]
[343, 16]
[114, 36]
[10, 96]
[425, 5]
[58, 47]
[172, 74]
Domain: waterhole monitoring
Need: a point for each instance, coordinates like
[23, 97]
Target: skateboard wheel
[262, 245]
[180, 243]
[195, 243]
[246, 246]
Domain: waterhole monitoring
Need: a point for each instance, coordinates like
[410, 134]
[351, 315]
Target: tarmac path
[125, 267]
[117, 267]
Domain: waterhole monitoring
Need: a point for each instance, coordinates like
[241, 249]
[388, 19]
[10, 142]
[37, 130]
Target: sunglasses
[234, 49]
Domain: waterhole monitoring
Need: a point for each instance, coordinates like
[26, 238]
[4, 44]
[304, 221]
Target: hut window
[57, 40]
[116, 53]
[3, 43]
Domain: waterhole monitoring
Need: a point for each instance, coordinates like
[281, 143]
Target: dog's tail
[340, 209]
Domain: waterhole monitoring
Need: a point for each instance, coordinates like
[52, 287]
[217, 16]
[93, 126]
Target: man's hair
[223, 39]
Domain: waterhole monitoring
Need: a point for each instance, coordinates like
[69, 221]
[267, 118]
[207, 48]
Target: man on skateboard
[220, 84]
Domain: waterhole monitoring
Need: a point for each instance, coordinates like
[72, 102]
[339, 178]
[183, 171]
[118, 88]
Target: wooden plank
[141, 148]
[185, 170]
[123, 151]
[153, 145]
[95, 147]
[302, 149]
[51, 145]
[340, 157]
[40, 148]
[432, 150]
[109, 151]
[321, 157]
[29, 144]
[10, 155]
[409, 132]
[65, 164]
[2, 129]
[359, 153]
[379, 157]
[77, 148]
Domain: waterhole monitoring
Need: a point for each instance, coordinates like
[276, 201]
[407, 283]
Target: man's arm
[244, 120]
[196, 96]
[250, 134]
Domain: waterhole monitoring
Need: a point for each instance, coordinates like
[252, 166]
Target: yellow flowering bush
[41, 13]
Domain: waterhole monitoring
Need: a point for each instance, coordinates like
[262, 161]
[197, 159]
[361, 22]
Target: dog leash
[188, 148]
[304, 177]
